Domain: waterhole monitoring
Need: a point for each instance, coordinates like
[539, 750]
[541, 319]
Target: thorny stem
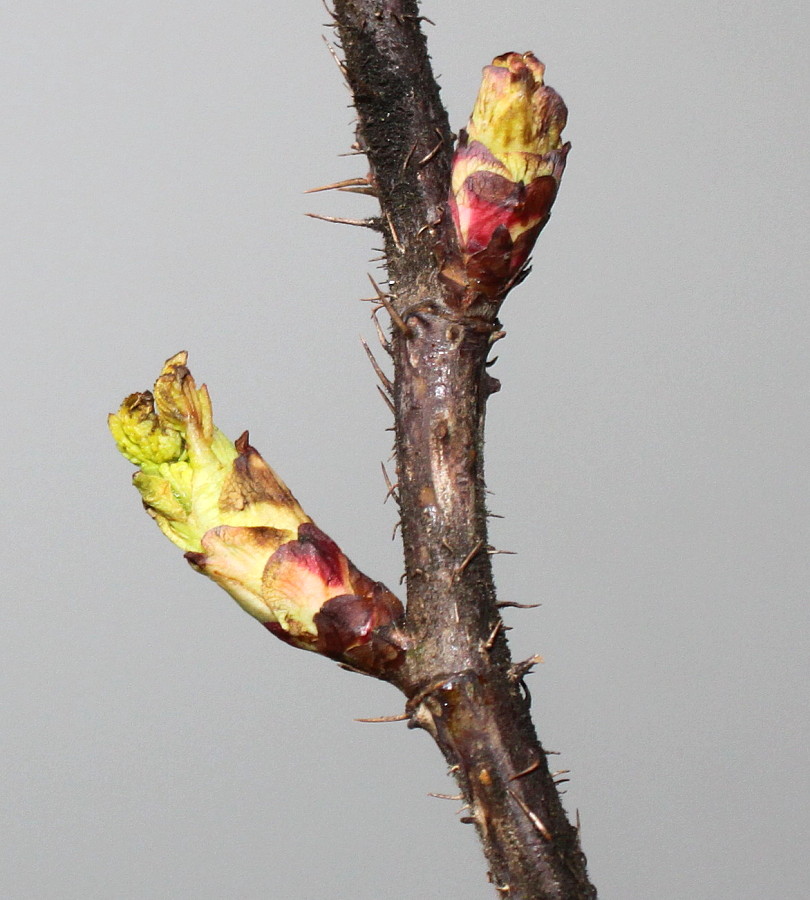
[459, 679]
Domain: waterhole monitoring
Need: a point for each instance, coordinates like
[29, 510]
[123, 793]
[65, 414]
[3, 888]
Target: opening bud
[505, 175]
[240, 525]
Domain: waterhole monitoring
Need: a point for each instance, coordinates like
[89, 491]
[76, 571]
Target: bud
[505, 174]
[240, 525]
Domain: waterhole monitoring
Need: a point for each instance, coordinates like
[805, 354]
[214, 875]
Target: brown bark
[461, 684]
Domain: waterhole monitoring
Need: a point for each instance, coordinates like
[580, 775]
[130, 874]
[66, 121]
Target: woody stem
[458, 676]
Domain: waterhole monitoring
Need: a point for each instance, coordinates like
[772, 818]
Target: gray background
[648, 450]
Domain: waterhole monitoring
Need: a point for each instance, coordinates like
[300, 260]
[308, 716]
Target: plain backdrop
[648, 451]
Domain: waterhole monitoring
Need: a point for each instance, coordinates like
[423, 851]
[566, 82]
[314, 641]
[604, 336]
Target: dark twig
[458, 675]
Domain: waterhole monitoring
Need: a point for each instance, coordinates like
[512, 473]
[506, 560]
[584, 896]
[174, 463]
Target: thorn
[413, 18]
[428, 226]
[453, 768]
[426, 159]
[400, 718]
[467, 560]
[490, 641]
[496, 336]
[503, 603]
[521, 669]
[373, 224]
[397, 524]
[377, 290]
[386, 381]
[387, 399]
[531, 816]
[352, 185]
[331, 13]
[527, 771]
[579, 824]
[455, 797]
[383, 302]
[384, 342]
[409, 156]
[338, 63]
[369, 191]
[489, 362]
[394, 235]
[493, 552]
[495, 516]
[396, 318]
[392, 488]
[561, 772]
